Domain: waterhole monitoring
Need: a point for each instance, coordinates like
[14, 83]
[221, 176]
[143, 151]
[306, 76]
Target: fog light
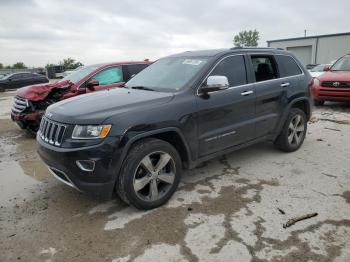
[86, 165]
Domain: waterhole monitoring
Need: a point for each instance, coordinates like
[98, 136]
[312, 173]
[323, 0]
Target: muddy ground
[229, 209]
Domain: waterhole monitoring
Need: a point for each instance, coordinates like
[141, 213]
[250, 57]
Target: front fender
[126, 143]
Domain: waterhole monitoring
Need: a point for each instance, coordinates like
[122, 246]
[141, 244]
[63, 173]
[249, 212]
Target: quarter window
[264, 67]
[109, 76]
[233, 67]
[287, 66]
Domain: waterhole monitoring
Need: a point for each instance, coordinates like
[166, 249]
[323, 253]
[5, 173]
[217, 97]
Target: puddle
[19, 180]
[5, 106]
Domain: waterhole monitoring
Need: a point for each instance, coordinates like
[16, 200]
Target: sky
[38, 32]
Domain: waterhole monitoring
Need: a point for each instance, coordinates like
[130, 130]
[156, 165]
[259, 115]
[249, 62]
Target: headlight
[90, 131]
[316, 82]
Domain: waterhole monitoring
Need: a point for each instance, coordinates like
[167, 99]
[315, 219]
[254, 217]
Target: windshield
[169, 74]
[343, 64]
[318, 68]
[77, 75]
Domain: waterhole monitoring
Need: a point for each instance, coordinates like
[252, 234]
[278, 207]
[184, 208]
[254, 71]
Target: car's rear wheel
[318, 103]
[150, 174]
[293, 133]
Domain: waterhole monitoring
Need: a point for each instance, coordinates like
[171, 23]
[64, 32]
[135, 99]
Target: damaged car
[31, 101]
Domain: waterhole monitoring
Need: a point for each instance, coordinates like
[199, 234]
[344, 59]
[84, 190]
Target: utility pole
[305, 33]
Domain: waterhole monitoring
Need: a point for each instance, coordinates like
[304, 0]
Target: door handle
[247, 93]
[285, 84]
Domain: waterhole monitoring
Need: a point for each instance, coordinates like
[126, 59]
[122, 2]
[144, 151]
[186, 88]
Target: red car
[31, 102]
[333, 85]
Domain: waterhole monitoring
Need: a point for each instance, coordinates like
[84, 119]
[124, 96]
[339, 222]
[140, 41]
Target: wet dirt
[225, 210]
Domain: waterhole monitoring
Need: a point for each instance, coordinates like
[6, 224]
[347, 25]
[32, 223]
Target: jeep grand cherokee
[178, 112]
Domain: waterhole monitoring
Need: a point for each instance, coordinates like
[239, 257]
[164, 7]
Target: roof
[215, 52]
[121, 63]
[308, 37]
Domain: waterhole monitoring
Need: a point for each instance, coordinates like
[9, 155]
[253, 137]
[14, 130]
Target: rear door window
[264, 67]
[109, 76]
[287, 66]
[233, 67]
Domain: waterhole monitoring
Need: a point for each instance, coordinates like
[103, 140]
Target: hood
[39, 92]
[95, 107]
[338, 76]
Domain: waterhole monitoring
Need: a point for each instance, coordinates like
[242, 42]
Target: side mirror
[215, 83]
[92, 83]
[326, 68]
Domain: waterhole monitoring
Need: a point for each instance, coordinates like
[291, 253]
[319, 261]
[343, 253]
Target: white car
[68, 72]
[318, 70]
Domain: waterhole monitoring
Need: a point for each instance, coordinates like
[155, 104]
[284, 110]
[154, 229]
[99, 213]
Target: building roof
[308, 37]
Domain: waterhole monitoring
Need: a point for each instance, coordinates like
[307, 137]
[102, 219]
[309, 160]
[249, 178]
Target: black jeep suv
[178, 112]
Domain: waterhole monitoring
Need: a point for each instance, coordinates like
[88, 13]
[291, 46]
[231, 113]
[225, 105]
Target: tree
[19, 65]
[1, 66]
[70, 63]
[49, 65]
[246, 38]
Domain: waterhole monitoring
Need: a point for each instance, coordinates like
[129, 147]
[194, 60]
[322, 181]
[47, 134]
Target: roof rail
[252, 47]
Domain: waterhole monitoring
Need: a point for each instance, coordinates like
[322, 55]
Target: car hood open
[94, 108]
[39, 92]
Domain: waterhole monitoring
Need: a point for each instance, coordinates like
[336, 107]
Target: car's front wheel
[293, 133]
[150, 174]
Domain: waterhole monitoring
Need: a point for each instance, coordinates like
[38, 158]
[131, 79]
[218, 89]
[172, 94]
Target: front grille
[51, 132]
[19, 104]
[335, 84]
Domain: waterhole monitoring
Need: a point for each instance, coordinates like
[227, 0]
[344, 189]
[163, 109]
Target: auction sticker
[192, 62]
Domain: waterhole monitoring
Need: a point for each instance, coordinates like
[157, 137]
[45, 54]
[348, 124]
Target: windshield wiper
[142, 88]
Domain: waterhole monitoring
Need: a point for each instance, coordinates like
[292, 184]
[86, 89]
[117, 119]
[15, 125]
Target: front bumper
[27, 119]
[62, 163]
[321, 93]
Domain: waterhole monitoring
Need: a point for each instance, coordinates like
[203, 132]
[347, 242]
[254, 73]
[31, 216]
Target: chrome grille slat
[51, 132]
[19, 104]
[47, 131]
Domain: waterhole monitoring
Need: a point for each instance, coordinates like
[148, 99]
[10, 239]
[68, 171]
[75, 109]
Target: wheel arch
[172, 135]
[302, 103]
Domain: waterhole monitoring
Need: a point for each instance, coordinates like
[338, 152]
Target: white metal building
[319, 49]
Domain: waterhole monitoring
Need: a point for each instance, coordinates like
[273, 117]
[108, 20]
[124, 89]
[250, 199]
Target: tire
[140, 187]
[318, 103]
[290, 139]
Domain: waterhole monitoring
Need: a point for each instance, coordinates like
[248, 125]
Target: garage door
[303, 53]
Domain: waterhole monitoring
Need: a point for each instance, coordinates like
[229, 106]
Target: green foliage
[246, 38]
[70, 63]
[19, 65]
[49, 65]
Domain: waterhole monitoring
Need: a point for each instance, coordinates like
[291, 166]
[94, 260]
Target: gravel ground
[229, 209]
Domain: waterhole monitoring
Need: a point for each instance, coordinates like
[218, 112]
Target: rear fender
[287, 110]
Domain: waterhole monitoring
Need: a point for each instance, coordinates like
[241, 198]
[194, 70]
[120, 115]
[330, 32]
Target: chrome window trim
[249, 84]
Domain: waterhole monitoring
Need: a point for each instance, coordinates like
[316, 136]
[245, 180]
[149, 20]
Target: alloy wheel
[296, 130]
[154, 176]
